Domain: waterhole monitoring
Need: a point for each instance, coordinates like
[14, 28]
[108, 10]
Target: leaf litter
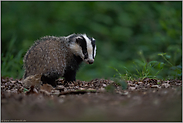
[96, 100]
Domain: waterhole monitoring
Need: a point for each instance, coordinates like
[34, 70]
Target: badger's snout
[90, 61]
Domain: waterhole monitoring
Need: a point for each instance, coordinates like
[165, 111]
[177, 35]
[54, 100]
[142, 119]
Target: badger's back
[46, 56]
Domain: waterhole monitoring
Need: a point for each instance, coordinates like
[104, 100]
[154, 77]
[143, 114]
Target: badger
[53, 57]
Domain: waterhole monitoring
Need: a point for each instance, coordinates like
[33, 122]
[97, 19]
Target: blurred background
[137, 39]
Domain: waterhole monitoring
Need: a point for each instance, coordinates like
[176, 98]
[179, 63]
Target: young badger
[53, 57]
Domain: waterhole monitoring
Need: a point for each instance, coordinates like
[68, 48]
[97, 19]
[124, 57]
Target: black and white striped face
[84, 47]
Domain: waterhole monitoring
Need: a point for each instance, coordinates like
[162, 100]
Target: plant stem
[167, 60]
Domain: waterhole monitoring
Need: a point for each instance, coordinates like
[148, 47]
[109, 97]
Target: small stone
[81, 88]
[86, 85]
[166, 85]
[65, 89]
[167, 81]
[2, 86]
[60, 87]
[104, 85]
[55, 92]
[3, 80]
[13, 81]
[155, 86]
[8, 91]
[76, 87]
[140, 82]
[132, 88]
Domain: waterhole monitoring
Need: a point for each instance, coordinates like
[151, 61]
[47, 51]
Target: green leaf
[168, 56]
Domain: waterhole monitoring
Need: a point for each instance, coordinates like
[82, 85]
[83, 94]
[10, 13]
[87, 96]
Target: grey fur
[52, 57]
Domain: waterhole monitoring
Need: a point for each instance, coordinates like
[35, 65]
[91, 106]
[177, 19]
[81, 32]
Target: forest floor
[97, 100]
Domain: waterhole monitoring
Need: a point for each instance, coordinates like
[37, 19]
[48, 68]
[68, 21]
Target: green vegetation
[152, 69]
[12, 65]
[139, 39]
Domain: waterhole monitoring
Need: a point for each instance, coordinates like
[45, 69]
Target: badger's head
[83, 46]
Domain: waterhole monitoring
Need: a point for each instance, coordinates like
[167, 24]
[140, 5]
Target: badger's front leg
[49, 80]
[70, 76]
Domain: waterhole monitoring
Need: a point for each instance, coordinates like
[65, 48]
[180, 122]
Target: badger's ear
[79, 39]
[93, 39]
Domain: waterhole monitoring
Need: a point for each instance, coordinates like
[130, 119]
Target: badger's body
[54, 57]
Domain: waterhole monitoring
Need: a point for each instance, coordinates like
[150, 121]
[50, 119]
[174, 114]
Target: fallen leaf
[46, 87]
[31, 91]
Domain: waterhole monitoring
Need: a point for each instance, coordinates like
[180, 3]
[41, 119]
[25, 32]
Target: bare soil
[97, 100]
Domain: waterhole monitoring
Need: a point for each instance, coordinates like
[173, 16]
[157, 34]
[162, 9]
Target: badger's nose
[90, 61]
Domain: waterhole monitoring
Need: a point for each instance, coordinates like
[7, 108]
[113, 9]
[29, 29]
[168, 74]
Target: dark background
[129, 35]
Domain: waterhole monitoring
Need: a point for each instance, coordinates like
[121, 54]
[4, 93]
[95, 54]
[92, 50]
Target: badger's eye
[85, 55]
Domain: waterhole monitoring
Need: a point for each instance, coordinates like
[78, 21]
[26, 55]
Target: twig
[77, 92]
